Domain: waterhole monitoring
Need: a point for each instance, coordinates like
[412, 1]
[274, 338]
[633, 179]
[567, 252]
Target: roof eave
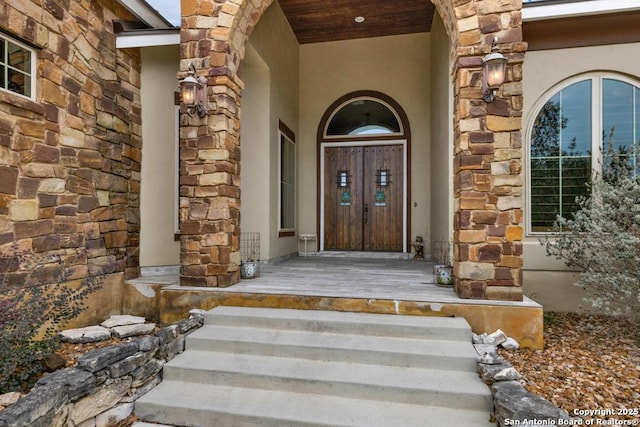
[146, 14]
[148, 38]
[542, 11]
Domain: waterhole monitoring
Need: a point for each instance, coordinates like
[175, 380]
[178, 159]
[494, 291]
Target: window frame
[597, 79]
[32, 74]
[286, 135]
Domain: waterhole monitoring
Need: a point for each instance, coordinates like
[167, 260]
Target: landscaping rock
[115, 415]
[510, 344]
[97, 359]
[9, 398]
[512, 402]
[122, 320]
[497, 338]
[148, 343]
[129, 364]
[507, 374]
[169, 351]
[168, 334]
[490, 358]
[35, 408]
[98, 402]
[75, 382]
[54, 362]
[133, 330]
[488, 372]
[85, 335]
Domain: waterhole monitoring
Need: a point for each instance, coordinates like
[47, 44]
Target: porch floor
[385, 284]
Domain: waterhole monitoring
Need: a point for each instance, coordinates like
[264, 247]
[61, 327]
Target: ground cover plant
[33, 310]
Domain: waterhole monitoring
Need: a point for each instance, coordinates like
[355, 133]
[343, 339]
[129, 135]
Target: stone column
[488, 156]
[210, 150]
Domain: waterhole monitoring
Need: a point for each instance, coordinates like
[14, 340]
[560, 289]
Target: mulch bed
[588, 363]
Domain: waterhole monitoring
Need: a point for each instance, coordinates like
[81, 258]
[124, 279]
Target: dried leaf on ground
[588, 363]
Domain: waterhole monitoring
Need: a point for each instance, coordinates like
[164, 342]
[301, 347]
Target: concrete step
[439, 328]
[390, 351]
[272, 367]
[183, 404]
[371, 382]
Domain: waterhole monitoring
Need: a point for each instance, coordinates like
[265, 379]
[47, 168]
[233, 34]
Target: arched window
[572, 129]
[363, 116]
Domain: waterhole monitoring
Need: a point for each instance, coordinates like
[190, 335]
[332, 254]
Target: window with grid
[17, 66]
[572, 130]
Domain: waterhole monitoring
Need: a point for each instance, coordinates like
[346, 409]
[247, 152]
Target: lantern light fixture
[494, 67]
[193, 92]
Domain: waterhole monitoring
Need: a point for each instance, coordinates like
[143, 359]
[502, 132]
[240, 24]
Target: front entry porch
[380, 285]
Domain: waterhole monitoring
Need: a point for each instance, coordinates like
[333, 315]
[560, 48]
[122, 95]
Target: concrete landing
[385, 286]
[278, 367]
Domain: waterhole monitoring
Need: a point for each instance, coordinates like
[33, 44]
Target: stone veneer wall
[102, 389]
[488, 179]
[70, 159]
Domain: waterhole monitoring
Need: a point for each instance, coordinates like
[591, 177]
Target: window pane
[363, 117]
[560, 155]
[19, 58]
[576, 173]
[545, 193]
[575, 105]
[617, 114]
[287, 183]
[545, 140]
[18, 82]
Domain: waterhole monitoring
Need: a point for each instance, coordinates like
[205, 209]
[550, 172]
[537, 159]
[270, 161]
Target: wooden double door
[364, 198]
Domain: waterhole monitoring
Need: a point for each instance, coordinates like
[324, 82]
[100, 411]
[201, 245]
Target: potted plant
[442, 267]
[249, 255]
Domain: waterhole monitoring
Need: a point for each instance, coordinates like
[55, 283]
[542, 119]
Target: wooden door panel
[343, 212]
[383, 194]
[372, 217]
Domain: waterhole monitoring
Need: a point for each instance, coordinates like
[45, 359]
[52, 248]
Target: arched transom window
[363, 116]
[572, 129]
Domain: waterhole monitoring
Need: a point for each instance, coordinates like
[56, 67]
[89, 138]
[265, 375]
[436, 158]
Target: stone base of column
[218, 281]
[480, 290]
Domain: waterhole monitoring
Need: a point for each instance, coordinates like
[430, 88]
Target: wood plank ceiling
[315, 21]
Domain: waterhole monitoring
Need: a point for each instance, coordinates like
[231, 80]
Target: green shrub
[603, 239]
[31, 312]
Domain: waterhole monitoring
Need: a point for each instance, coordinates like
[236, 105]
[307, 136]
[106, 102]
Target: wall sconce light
[193, 91]
[494, 67]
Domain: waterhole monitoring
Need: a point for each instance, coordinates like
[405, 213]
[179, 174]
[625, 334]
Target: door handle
[365, 218]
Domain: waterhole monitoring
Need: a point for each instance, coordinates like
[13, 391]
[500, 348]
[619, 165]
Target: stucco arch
[486, 138]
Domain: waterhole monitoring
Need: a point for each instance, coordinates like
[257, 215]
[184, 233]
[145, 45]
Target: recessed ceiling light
[359, 19]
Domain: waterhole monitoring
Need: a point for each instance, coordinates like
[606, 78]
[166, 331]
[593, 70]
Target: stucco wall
[547, 280]
[441, 140]
[270, 72]
[158, 209]
[255, 144]
[397, 66]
